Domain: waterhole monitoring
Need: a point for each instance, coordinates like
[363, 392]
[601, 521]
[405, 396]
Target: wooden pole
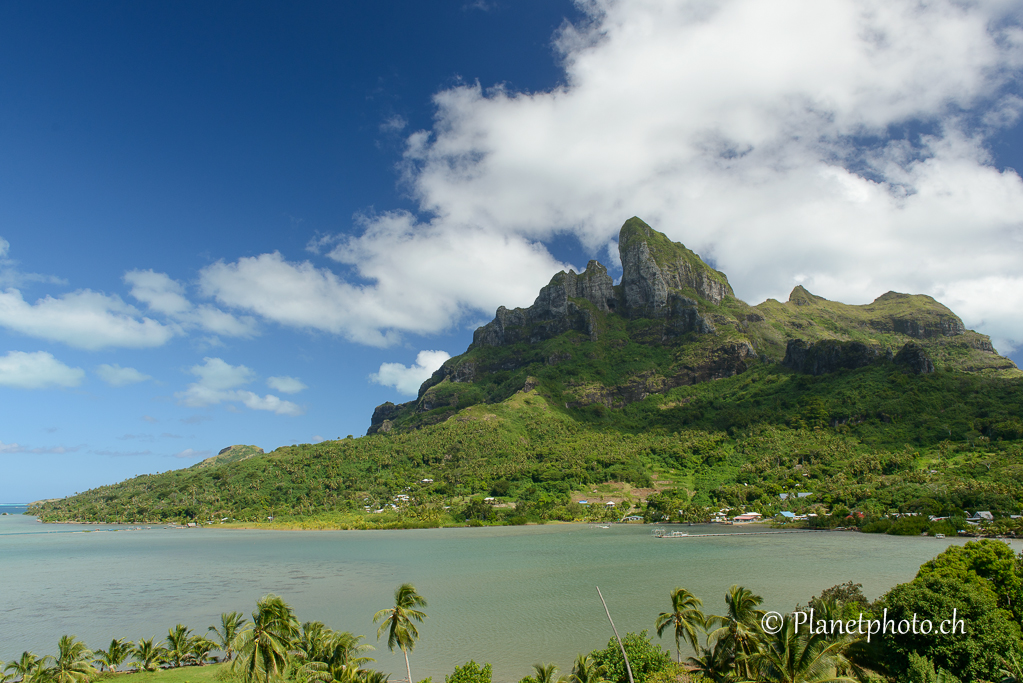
[628, 667]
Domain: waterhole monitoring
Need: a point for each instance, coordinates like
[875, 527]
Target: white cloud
[406, 379]
[83, 319]
[286, 385]
[116, 376]
[766, 135]
[189, 453]
[17, 448]
[393, 124]
[218, 383]
[10, 276]
[37, 370]
[164, 295]
[421, 278]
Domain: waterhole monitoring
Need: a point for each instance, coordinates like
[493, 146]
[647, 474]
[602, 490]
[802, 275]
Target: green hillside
[664, 387]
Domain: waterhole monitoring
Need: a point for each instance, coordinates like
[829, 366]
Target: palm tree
[791, 656]
[199, 649]
[740, 627]
[397, 621]
[230, 625]
[716, 662]
[73, 663]
[28, 667]
[179, 644]
[263, 650]
[547, 673]
[148, 657]
[685, 617]
[586, 670]
[340, 651]
[370, 676]
[113, 656]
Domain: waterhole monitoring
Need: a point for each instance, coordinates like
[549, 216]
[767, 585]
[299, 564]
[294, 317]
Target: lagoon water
[510, 596]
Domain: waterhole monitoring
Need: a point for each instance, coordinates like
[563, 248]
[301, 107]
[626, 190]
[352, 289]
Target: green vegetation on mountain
[661, 392]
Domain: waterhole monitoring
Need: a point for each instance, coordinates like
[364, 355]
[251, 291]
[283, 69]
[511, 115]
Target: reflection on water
[510, 596]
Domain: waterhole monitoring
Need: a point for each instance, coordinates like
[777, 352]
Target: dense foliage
[876, 440]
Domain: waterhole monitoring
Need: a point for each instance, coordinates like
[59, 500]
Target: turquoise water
[510, 596]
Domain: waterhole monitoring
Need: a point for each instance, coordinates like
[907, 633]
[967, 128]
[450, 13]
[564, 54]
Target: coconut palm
[199, 649]
[73, 663]
[264, 645]
[716, 662]
[586, 670]
[794, 656]
[685, 618]
[148, 656]
[231, 624]
[179, 645]
[28, 667]
[740, 627]
[374, 677]
[547, 673]
[397, 621]
[113, 656]
[339, 653]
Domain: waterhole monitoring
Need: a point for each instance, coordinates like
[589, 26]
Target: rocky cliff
[673, 321]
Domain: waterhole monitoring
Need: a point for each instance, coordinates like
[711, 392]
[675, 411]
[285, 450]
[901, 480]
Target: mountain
[664, 392]
[674, 321]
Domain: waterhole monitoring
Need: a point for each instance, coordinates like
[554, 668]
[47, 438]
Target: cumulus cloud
[218, 383]
[845, 143]
[116, 376]
[83, 319]
[406, 379]
[189, 453]
[17, 448]
[167, 296]
[38, 370]
[11, 276]
[412, 277]
[286, 385]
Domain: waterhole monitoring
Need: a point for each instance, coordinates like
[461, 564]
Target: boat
[661, 533]
[939, 535]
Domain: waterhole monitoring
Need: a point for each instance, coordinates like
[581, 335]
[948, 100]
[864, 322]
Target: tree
[73, 663]
[795, 656]
[740, 626]
[685, 618]
[263, 649]
[397, 621]
[645, 658]
[470, 672]
[716, 662]
[148, 656]
[986, 636]
[179, 644]
[546, 673]
[28, 667]
[231, 624]
[987, 561]
[199, 649]
[114, 655]
[585, 670]
[339, 653]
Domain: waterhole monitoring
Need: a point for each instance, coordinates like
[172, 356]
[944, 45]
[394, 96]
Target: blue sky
[248, 222]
